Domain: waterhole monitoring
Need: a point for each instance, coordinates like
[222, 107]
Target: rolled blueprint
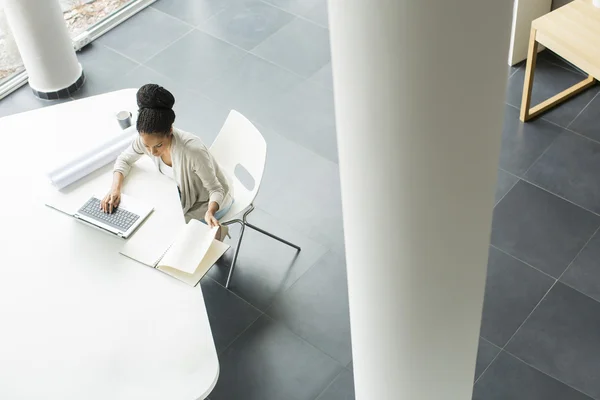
[91, 160]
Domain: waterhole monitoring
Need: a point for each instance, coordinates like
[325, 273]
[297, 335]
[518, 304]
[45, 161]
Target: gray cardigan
[199, 177]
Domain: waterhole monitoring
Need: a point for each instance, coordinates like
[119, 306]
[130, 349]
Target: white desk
[78, 320]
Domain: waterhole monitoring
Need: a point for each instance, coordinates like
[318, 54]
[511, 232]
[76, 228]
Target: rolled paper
[91, 160]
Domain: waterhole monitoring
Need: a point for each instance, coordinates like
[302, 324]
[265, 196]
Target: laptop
[122, 222]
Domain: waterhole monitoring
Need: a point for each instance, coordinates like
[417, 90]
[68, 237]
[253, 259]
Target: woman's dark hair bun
[155, 96]
[156, 115]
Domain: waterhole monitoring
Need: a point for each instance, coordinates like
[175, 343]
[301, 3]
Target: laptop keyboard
[120, 219]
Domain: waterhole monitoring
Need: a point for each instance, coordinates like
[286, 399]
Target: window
[94, 16]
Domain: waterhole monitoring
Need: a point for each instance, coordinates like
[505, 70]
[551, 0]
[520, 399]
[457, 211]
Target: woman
[203, 188]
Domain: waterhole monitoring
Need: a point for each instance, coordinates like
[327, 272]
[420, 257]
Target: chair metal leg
[235, 255]
[256, 228]
[242, 223]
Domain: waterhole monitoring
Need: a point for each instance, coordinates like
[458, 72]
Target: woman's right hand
[111, 201]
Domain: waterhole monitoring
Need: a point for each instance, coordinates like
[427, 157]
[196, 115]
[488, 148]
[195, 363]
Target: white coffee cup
[124, 119]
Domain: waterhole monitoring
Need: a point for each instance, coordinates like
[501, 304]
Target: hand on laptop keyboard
[111, 201]
[117, 218]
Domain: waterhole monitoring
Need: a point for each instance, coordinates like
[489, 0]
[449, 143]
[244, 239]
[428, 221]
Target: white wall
[524, 12]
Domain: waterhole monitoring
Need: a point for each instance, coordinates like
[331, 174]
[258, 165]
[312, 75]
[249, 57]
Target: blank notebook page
[190, 247]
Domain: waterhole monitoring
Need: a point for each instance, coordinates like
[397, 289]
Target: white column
[419, 90]
[44, 43]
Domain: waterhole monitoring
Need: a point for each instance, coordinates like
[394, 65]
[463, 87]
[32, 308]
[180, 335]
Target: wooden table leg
[529, 73]
[527, 112]
[561, 97]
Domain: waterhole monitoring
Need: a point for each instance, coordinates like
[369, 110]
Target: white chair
[240, 143]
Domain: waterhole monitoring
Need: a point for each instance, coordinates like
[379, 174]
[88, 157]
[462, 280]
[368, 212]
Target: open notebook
[188, 257]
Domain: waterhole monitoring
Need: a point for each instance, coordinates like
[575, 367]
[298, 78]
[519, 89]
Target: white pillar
[419, 89]
[46, 48]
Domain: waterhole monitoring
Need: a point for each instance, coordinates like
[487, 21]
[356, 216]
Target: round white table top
[79, 320]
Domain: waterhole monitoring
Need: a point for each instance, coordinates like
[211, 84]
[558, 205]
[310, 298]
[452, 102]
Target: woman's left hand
[210, 219]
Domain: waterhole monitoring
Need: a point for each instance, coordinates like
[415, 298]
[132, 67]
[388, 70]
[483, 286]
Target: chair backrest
[240, 143]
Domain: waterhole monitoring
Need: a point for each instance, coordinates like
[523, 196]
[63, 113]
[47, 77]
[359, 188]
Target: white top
[199, 177]
[165, 169]
[79, 320]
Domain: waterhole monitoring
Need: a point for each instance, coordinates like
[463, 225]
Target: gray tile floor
[283, 331]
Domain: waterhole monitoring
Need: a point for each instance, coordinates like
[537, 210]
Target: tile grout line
[579, 134]
[292, 141]
[328, 251]
[577, 290]
[508, 191]
[177, 18]
[279, 66]
[565, 67]
[297, 15]
[167, 46]
[525, 179]
[519, 328]
[248, 53]
[342, 366]
[312, 152]
[548, 375]
[557, 280]
[541, 155]
[154, 55]
[522, 261]
[556, 64]
[329, 385]
[190, 90]
[559, 196]
[485, 340]
[548, 275]
[119, 53]
[584, 108]
[513, 72]
[508, 172]
[511, 187]
[329, 247]
[197, 28]
[239, 335]
[569, 129]
[234, 293]
[260, 314]
[266, 312]
[284, 68]
[577, 255]
[538, 304]
[488, 367]
[558, 125]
